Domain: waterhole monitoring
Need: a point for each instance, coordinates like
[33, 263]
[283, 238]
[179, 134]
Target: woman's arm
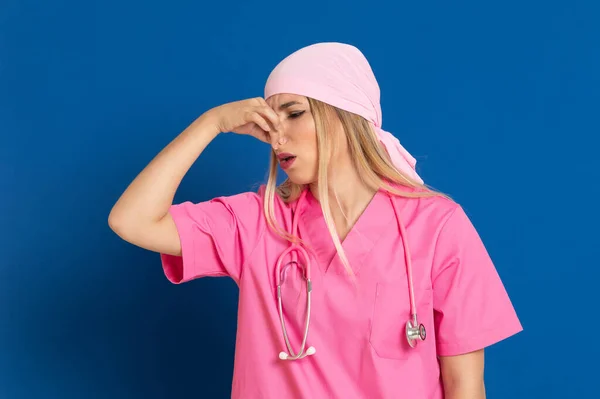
[141, 215]
[462, 375]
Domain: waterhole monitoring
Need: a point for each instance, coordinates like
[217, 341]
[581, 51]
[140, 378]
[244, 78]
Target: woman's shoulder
[252, 202]
[426, 204]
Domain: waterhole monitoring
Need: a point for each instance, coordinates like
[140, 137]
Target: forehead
[276, 100]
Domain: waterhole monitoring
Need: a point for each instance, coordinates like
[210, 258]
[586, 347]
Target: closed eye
[294, 115]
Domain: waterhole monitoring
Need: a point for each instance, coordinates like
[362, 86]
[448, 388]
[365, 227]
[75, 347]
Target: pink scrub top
[357, 328]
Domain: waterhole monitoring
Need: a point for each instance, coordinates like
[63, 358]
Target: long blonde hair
[370, 160]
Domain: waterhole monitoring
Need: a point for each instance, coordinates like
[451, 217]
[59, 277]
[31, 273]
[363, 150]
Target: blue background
[498, 102]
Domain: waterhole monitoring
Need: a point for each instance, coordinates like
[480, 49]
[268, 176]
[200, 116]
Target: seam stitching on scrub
[193, 246]
[482, 340]
[207, 228]
[437, 239]
[258, 241]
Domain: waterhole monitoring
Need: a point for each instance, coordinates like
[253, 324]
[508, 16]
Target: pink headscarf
[339, 74]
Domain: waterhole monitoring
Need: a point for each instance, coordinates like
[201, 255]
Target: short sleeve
[217, 237]
[472, 309]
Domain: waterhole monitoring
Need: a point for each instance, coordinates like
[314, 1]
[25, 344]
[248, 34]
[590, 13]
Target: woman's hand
[253, 117]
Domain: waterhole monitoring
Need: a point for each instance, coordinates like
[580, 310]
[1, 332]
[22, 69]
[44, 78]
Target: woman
[389, 260]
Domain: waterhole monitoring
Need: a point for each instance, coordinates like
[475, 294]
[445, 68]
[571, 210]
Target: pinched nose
[278, 139]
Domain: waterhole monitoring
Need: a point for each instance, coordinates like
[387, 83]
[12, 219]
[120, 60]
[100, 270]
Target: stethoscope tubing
[414, 330]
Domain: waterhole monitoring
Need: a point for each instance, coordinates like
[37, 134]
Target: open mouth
[286, 160]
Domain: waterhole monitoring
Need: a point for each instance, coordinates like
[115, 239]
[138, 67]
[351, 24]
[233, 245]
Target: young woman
[356, 279]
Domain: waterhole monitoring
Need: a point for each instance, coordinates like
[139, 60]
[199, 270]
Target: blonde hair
[370, 160]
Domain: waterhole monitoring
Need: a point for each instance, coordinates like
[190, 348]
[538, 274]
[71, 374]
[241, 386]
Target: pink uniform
[357, 330]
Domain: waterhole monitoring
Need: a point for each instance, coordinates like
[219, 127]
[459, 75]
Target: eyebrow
[288, 104]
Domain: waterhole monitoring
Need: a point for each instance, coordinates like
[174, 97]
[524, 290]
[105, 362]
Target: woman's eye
[296, 114]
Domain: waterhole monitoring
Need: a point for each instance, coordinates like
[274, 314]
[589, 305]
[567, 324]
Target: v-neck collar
[360, 240]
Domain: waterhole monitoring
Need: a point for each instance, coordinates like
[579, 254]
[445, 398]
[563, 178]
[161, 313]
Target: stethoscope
[414, 331]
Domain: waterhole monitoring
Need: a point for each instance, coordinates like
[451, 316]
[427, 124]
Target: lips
[285, 155]
[286, 160]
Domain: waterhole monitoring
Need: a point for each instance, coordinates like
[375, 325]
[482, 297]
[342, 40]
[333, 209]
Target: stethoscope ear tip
[311, 351]
[283, 355]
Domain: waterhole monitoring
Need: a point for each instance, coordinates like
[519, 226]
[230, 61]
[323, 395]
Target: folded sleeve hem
[177, 268]
[478, 342]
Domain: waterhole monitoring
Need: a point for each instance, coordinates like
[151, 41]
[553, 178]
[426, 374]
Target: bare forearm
[472, 389]
[148, 198]
[462, 375]
[141, 215]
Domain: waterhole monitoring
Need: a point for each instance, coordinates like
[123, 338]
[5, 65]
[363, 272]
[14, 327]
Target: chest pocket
[391, 311]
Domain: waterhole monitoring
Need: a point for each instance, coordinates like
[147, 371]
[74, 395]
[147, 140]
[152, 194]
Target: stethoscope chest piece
[415, 332]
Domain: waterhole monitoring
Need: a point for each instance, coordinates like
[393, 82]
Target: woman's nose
[278, 139]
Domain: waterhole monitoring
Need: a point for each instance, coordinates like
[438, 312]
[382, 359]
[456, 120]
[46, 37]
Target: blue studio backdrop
[497, 101]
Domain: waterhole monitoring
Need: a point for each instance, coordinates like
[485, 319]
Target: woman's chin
[299, 179]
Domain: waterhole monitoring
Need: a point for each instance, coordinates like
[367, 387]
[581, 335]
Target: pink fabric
[340, 75]
[361, 351]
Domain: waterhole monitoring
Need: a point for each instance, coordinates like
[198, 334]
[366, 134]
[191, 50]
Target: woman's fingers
[271, 116]
[268, 120]
[254, 117]
[259, 120]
